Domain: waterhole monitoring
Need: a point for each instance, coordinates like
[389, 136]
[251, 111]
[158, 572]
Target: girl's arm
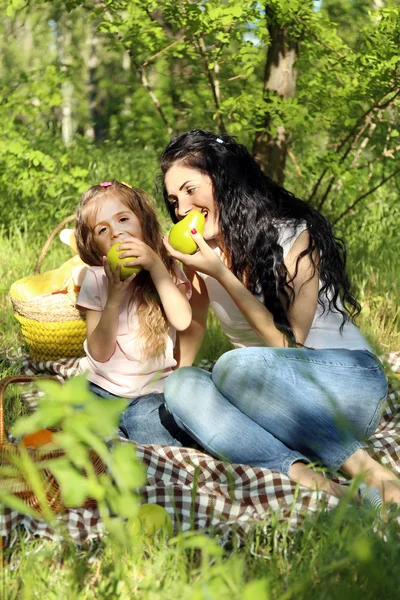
[101, 332]
[175, 304]
[189, 341]
[102, 325]
[257, 315]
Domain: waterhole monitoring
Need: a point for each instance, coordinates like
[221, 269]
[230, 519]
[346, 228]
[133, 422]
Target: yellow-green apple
[152, 520]
[114, 259]
[180, 237]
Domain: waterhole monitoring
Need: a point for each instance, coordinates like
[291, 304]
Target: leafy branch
[352, 137]
[368, 193]
[213, 81]
[142, 73]
[158, 54]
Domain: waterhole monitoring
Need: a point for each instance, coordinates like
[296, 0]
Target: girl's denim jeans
[146, 421]
[271, 407]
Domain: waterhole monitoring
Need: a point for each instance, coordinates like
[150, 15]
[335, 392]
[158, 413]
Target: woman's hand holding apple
[204, 260]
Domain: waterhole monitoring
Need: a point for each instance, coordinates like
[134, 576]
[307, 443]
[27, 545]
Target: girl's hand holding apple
[114, 260]
[134, 253]
[117, 286]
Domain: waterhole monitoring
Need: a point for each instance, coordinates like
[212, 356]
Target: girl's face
[189, 189]
[113, 222]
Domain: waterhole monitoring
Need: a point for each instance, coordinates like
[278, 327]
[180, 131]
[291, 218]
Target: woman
[303, 384]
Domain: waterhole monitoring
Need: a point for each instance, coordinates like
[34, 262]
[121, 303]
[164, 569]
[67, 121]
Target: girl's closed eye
[191, 191]
[101, 230]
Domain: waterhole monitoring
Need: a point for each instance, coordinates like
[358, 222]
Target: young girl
[131, 323]
[303, 384]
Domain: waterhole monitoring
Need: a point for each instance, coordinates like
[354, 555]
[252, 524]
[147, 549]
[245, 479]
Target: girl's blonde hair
[153, 324]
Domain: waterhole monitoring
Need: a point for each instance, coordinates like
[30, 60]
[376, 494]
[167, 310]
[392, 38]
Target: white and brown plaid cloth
[200, 492]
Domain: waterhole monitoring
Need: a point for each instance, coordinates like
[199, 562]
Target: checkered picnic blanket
[201, 492]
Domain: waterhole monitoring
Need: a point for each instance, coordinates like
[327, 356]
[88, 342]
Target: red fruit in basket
[39, 438]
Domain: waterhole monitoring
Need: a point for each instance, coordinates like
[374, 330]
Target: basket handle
[51, 237]
[3, 384]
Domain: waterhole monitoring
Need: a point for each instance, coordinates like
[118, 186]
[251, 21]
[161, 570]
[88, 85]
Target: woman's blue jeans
[271, 407]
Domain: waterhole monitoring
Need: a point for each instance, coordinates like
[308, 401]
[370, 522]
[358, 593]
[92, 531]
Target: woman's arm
[306, 287]
[189, 341]
[260, 319]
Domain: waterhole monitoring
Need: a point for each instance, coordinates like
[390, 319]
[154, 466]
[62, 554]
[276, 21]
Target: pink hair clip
[106, 183]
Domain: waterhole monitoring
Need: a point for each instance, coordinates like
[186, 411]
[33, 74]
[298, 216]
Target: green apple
[152, 520]
[114, 259]
[180, 237]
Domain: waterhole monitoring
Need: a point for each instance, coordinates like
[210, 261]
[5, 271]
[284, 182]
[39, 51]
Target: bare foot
[389, 487]
[375, 475]
[305, 475]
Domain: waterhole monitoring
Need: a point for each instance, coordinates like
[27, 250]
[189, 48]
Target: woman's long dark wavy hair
[250, 206]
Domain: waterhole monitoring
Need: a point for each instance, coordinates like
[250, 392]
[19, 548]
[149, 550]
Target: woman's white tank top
[325, 329]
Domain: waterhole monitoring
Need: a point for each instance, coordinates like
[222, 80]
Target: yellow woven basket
[44, 305]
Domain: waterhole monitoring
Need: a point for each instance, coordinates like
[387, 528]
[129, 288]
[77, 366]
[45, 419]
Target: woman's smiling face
[189, 189]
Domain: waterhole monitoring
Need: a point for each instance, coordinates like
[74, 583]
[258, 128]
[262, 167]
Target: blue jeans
[146, 421]
[271, 407]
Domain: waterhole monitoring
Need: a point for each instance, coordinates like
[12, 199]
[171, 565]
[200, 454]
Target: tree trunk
[95, 131]
[279, 78]
[64, 39]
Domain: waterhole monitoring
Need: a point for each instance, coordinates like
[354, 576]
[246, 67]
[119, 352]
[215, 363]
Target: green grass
[339, 556]
[345, 554]
[376, 282]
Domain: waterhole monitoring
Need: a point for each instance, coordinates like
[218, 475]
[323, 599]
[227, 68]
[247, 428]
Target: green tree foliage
[312, 88]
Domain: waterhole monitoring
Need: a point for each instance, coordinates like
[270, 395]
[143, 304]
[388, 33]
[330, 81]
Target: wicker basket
[15, 484]
[51, 324]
